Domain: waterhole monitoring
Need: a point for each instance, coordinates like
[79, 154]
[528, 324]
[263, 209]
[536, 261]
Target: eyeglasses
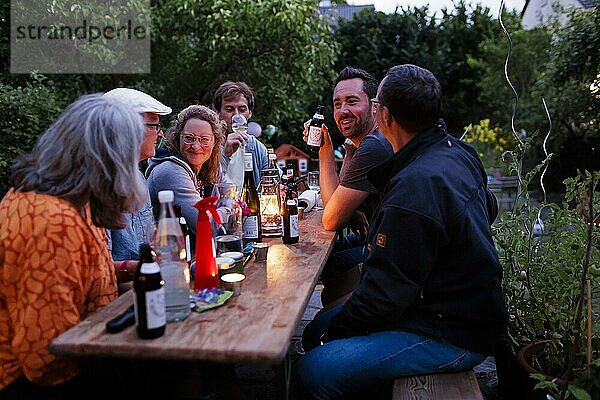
[376, 103]
[157, 127]
[204, 141]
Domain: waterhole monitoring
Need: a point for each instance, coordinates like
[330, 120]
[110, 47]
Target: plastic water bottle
[170, 247]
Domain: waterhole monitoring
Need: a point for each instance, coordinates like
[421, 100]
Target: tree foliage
[573, 67]
[283, 49]
[442, 44]
[25, 113]
[529, 55]
[557, 63]
[290, 56]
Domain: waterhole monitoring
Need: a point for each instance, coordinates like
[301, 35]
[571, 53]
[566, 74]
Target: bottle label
[248, 162]
[250, 227]
[155, 308]
[294, 227]
[314, 136]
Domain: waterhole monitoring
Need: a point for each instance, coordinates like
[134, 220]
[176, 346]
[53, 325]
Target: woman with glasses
[192, 165]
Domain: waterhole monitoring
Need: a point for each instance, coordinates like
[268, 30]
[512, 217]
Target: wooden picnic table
[256, 326]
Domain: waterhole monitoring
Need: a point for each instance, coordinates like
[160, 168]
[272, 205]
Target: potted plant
[551, 263]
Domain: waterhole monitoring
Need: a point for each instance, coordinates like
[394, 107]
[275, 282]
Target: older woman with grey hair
[191, 167]
[55, 267]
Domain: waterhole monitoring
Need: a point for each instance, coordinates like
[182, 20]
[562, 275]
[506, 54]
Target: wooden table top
[256, 326]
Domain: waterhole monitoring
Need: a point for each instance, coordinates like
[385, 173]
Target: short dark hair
[369, 83]
[229, 90]
[412, 95]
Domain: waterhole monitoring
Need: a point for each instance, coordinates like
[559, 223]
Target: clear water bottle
[170, 247]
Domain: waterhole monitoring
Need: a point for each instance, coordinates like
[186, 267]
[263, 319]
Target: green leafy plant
[549, 253]
[25, 113]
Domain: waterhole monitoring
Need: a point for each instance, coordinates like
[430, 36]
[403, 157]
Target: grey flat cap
[139, 101]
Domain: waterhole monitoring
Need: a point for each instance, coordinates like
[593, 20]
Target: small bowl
[260, 251]
[226, 265]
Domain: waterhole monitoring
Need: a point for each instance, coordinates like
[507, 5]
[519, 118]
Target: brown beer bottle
[291, 231]
[149, 296]
[315, 135]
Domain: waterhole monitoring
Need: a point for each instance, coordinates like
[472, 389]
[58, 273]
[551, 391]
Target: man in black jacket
[430, 298]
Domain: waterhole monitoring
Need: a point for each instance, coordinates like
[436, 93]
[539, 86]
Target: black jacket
[432, 267]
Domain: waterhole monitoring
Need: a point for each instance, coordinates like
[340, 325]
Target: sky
[388, 6]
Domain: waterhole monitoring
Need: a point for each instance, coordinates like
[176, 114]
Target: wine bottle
[291, 230]
[149, 296]
[251, 224]
[315, 135]
[273, 168]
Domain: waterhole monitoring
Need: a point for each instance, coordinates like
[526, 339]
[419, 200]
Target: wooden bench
[449, 386]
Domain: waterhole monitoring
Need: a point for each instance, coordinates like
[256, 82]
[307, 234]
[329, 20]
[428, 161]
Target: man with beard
[430, 298]
[349, 198]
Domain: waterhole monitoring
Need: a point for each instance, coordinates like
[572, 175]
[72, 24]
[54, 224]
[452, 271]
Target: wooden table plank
[256, 326]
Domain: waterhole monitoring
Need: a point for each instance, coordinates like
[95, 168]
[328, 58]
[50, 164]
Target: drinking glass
[313, 181]
[229, 236]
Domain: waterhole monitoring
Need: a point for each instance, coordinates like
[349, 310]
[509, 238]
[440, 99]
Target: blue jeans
[347, 252]
[366, 366]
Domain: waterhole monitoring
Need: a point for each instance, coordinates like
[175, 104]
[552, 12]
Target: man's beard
[361, 127]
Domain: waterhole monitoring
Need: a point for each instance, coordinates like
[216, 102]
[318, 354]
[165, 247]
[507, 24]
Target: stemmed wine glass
[239, 123]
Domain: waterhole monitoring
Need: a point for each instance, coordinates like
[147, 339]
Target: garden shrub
[25, 113]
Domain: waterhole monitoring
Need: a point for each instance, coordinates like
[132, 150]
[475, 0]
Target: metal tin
[238, 258]
[226, 265]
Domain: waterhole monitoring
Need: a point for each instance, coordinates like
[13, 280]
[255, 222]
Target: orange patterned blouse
[55, 269]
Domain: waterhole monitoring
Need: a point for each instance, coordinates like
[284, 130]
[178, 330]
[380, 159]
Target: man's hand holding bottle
[326, 138]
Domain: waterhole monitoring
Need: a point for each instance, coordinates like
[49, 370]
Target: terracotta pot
[513, 382]
[524, 357]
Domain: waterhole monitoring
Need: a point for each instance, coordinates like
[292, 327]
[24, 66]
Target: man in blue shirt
[233, 98]
[124, 243]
